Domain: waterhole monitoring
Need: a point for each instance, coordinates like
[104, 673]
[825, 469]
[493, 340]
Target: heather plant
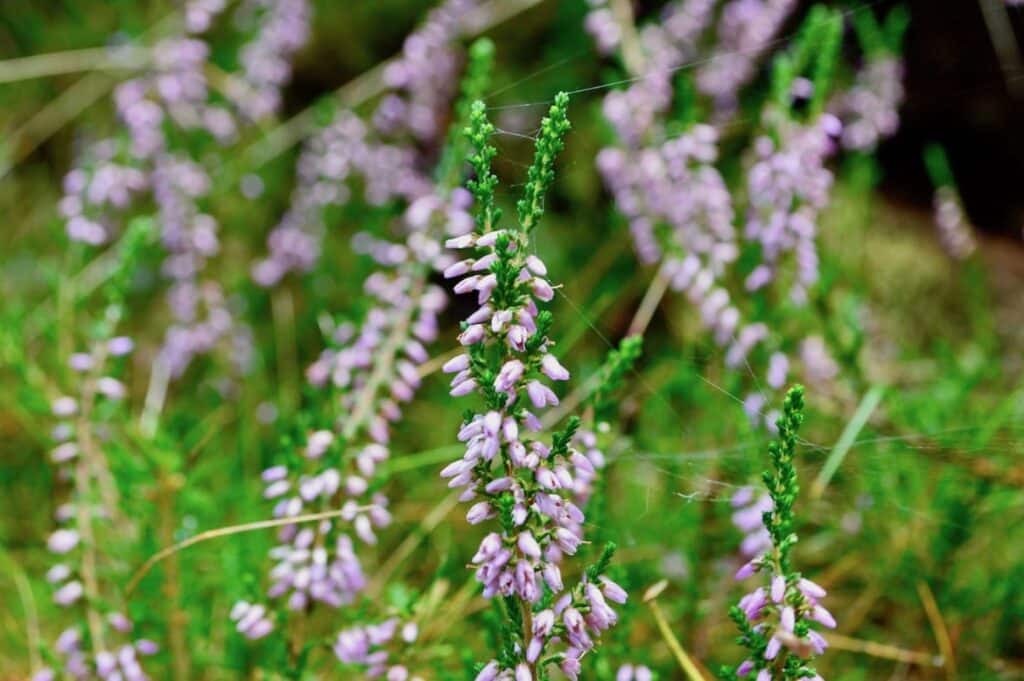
[169, 116]
[774, 620]
[520, 479]
[366, 374]
[682, 212]
[265, 287]
[98, 640]
[522, 482]
[951, 223]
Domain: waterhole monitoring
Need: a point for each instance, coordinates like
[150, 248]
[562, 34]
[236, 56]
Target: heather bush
[575, 340]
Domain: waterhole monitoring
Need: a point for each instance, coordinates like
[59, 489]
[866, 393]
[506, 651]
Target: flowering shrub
[774, 621]
[295, 390]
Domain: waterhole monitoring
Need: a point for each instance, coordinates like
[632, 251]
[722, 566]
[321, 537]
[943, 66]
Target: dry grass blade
[162, 554]
[882, 650]
[931, 609]
[693, 673]
[72, 61]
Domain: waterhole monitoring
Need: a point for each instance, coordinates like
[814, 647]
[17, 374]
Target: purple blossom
[869, 110]
[503, 465]
[391, 158]
[252, 621]
[788, 185]
[282, 28]
[744, 33]
[372, 369]
[955, 232]
[368, 646]
[775, 608]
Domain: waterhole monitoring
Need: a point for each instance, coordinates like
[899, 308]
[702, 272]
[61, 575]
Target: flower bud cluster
[372, 373]
[956, 235]
[120, 663]
[107, 649]
[391, 159]
[744, 33]
[679, 209]
[281, 30]
[630, 672]
[167, 103]
[774, 619]
[368, 647]
[788, 185]
[870, 109]
[636, 111]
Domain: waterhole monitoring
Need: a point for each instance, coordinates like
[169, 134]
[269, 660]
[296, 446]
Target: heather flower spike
[775, 620]
[370, 371]
[100, 641]
[662, 167]
[789, 184]
[869, 109]
[956, 235]
[518, 483]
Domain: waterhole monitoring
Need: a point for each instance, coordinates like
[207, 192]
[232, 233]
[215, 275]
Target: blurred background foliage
[927, 504]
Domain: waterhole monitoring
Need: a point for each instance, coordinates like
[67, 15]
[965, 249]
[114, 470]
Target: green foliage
[827, 43]
[604, 560]
[878, 39]
[814, 54]
[541, 173]
[561, 440]
[617, 364]
[781, 480]
[936, 162]
[475, 83]
[485, 181]
[141, 233]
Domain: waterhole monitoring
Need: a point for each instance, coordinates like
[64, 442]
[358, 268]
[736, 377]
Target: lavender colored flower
[75, 540]
[251, 620]
[370, 370]
[173, 93]
[518, 478]
[667, 45]
[788, 185]
[390, 159]
[774, 618]
[744, 33]
[368, 646]
[869, 110]
[819, 366]
[282, 28]
[955, 231]
[748, 519]
[629, 672]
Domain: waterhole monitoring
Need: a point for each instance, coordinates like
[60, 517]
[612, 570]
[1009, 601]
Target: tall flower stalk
[516, 479]
[368, 373]
[101, 643]
[168, 112]
[775, 619]
[955, 232]
[662, 170]
[393, 155]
